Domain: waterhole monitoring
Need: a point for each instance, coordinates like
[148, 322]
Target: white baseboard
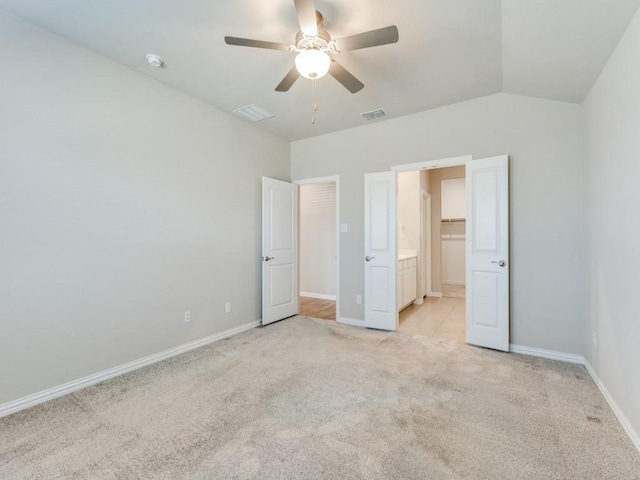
[351, 321]
[418, 301]
[321, 296]
[435, 294]
[551, 354]
[64, 389]
[626, 424]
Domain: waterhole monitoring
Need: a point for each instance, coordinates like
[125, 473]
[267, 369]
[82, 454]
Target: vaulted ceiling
[449, 50]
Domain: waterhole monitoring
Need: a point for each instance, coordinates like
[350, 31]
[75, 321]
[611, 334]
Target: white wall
[318, 239]
[409, 211]
[453, 259]
[612, 152]
[123, 203]
[454, 199]
[544, 141]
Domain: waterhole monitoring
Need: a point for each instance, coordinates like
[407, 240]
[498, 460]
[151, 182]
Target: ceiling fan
[313, 44]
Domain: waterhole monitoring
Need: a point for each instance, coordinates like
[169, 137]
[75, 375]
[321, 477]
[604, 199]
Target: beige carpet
[312, 399]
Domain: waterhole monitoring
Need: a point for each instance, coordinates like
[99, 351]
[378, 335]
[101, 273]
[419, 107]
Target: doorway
[486, 247]
[318, 207]
[431, 229]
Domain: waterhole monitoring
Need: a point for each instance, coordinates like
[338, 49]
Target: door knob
[266, 259]
[501, 263]
[368, 258]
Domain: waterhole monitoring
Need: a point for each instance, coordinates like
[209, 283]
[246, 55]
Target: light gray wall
[123, 203]
[544, 141]
[318, 239]
[409, 210]
[612, 151]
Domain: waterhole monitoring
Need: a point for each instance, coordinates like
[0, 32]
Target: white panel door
[488, 252]
[279, 250]
[381, 257]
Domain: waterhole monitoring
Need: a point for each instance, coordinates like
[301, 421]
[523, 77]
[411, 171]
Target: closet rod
[452, 220]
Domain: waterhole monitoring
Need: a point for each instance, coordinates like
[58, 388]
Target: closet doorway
[318, 202]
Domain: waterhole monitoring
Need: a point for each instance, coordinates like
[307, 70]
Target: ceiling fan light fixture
[313, 63]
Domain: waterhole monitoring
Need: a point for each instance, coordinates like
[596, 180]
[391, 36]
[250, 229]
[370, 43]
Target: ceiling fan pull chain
[314, 90]
[314, 100]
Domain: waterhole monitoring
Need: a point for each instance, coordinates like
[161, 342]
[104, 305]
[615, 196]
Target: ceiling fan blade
[373, 38]
[247, 42]
[306, 10]
[288, 80]
[341, 74]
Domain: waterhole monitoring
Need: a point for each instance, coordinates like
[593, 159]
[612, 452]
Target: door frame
[315, 181]
[428, 165]
[425, 243]
[431, 165]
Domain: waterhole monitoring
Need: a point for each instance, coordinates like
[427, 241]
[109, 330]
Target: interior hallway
[437, 317]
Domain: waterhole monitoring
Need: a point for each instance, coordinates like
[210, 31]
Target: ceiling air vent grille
[253, 112]
[373, 114]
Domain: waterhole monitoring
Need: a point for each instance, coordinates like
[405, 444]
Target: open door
[279, 250]
[487, 186]
[380, 262]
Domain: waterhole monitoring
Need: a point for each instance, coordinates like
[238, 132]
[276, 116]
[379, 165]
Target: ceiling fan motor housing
[320, 42]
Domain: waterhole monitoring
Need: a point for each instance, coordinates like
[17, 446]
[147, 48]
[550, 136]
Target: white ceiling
[449, 50]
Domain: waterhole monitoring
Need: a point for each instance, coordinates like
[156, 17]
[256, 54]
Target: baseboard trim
[435, 294]
[351, 321]
[320, 296]
[551, 354]
[69, 387]
[626, 424]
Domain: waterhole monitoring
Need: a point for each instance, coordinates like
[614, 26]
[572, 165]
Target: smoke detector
[154, 60]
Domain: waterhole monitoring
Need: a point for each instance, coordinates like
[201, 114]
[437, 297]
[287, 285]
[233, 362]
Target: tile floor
[454, 291]
[436, 317]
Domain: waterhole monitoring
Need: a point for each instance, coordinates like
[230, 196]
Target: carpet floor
[313, 399]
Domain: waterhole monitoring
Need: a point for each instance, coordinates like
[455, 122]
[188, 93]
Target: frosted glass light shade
[312, 63]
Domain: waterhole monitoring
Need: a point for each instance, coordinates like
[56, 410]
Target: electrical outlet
[359, 299]
[227, 307]
[344, 227]
[187, 317]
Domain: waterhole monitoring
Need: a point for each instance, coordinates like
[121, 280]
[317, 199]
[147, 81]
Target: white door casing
[425, 241]
[487, 247]
[279, 250]
[380, 251]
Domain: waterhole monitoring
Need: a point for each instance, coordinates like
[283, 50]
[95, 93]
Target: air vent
[253, 112]
[373, 114]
